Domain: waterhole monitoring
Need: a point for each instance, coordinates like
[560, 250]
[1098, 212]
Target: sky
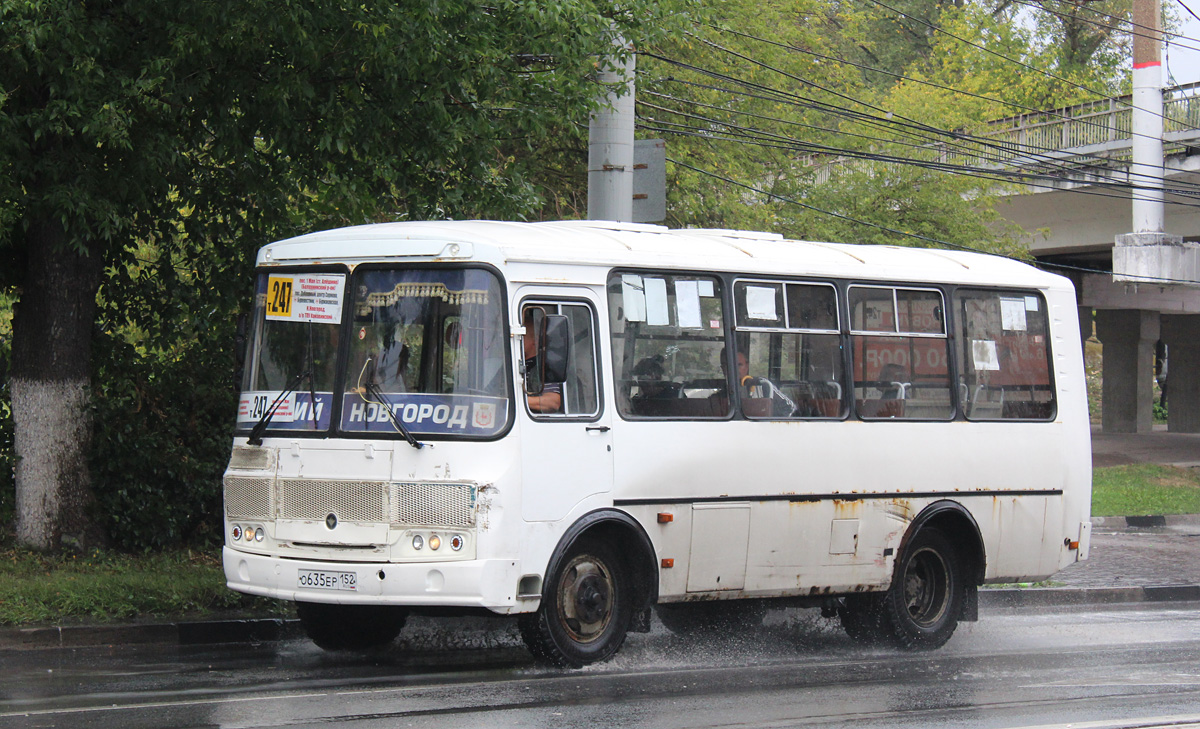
[1183, 64]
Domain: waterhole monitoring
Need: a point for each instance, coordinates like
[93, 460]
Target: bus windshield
[428, 345]
[426, 353]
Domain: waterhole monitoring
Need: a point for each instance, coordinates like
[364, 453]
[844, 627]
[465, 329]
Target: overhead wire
[917, 236]
[1015, 61]
[889, 123]
[1150, 35]
[935, 85]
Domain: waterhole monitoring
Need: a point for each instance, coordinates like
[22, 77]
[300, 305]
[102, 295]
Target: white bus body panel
[755, 508]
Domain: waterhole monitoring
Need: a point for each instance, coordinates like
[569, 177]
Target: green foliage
[100, 586]
[172, 140]
[1145, 489]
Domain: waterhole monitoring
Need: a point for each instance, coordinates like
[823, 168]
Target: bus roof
[608, 244]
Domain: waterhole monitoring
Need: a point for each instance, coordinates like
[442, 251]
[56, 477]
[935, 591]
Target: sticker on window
[687, 301]
[984, 355]
[633, 297]
[760, 303]
[657, 309]
[309, 297]
[1012, 315]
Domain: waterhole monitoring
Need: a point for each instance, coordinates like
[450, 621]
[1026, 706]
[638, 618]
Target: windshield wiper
[372, 389]
[257, 431]
[375, 392]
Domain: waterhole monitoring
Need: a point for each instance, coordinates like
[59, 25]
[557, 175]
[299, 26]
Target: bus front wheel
[350, 627]
[585, 611]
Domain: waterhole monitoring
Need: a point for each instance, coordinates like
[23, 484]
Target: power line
[929, 83]
[1027, 179]
[917, 236]
[860, 117]
[1161, 33]
[1014, 61]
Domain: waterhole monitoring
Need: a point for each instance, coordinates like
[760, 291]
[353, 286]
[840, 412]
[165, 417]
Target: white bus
[577, 423]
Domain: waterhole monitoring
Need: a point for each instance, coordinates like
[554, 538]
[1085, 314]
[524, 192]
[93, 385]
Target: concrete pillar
[610, 142]
[1182, 337]
[1128, 337]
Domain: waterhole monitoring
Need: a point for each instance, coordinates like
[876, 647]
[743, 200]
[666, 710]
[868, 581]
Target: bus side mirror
[556, 343]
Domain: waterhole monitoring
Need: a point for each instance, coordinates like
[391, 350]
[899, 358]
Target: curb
[203, 632]
[270, 630]
[1141, 522]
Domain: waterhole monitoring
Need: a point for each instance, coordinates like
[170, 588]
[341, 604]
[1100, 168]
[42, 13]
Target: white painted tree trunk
[53, 432]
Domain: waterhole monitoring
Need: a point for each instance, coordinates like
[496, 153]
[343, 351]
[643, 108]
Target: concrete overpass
[1081, 206]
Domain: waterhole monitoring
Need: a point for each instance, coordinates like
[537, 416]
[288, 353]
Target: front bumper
[482, 583]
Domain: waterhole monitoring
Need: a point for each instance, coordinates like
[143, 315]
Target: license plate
[320, 580]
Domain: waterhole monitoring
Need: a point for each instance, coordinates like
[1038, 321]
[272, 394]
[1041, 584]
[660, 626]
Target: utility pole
[610, 142]
[1147, 165]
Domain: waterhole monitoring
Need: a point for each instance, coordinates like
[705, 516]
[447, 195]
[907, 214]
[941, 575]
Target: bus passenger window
[901, 354]
[668, 334]
[789, 351]
[1004, 356]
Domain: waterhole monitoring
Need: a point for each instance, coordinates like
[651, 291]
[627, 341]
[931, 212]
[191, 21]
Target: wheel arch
[956, 522]
[630, 541]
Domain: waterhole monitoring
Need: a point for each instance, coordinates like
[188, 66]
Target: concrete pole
[610, 144]
[1147, 117]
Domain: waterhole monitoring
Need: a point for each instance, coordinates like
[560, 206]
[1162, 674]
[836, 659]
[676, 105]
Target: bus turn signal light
[665, 518]
[668, 563]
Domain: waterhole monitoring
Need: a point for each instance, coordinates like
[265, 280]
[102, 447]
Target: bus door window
[1004, 356]
[577, 395]
[668, 338]
[788, 337]
[900, 351]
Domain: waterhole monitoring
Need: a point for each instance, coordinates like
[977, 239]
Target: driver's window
[577, 396]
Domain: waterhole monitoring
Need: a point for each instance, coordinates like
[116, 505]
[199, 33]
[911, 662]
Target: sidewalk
[1132, 560]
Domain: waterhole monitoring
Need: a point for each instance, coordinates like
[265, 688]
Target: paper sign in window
[687, 303]
[760, 303]
[309, 297]
[657, 308]
[633, 297]
[984, 355]
[706, 288]
[1012, 315]
[1031, 303]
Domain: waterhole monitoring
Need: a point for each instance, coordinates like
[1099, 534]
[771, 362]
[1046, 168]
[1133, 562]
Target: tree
[205, 129]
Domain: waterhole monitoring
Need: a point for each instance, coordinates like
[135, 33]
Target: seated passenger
[550, 400]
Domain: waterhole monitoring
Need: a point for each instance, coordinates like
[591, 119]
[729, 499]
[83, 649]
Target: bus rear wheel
[585, 611]
[928, 593]
[351, 627]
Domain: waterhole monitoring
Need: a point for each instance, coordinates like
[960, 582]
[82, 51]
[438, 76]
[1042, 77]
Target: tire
[586, 608]
[922, 608]
[724, 616]
[351, 627]
[862, 618]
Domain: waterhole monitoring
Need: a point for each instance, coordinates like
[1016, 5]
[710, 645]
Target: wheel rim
[586, 595]
[926, 587]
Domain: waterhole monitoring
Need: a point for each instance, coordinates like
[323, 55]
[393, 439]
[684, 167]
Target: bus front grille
[247, 497]
[433, 504]
[445, 505]
[314, 500]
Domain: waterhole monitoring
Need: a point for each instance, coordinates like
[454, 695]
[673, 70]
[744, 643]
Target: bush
[163, 428]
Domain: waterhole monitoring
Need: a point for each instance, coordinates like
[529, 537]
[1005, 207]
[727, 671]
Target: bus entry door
[566, 451]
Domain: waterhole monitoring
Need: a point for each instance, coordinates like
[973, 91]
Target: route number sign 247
[315, 297]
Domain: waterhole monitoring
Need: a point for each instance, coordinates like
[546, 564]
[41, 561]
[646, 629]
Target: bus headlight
[236, 532]
[434, 542]
[418, 542]
[456, 542]
[259, 535]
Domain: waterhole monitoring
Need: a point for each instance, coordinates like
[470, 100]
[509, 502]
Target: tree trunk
[50, 388]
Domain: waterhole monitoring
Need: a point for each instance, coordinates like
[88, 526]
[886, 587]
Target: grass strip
[102, 586]
[1145, 489]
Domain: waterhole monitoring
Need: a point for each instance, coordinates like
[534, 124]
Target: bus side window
[1004, 356]
[577, 394]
